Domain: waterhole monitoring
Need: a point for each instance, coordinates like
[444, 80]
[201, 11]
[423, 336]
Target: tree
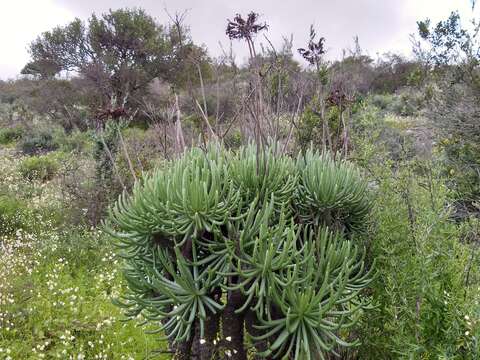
[120, 52]
[215, 243]
[452, 57]
[391, 72]
[447, 40]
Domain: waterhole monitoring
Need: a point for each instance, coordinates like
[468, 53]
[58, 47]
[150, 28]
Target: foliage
[393, 72]
[233, 140]
[427, 289]
[309, 129]
[11, 214]
[240, 28]
[76, 142]
[37, 141]
[453, 50]
[41, 168]
[447, 39]
[248, 228]
[462, 161]
[67, 100]
[382, 101]
[315, 49]
[239, 252]
[9, 135]
[119, 53]
[55, 299]
[57, 280]
[424, 299]
[312, 127]
[404, 103]
[106, 147]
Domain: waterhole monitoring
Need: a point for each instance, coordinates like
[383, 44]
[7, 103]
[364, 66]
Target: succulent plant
[228, 253]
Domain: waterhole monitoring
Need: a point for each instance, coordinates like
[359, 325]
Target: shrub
[77, 142]
[234, 139]
[253, 244]
[405, 103]
[41, 167]
[462, 164]
[383, 102]
[11, 213]
[309, 129]
[426, 292]
[9, 135]
[138, 151]
[38, 141]
[325, 133]
[427, 287]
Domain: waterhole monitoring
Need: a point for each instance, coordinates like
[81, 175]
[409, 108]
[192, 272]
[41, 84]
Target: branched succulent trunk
[208, 344]
[226, 238]
[183, 350]
[250, 321]
[233, 326]
[196, 345]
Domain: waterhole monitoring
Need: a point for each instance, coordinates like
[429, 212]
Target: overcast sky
[381, 25]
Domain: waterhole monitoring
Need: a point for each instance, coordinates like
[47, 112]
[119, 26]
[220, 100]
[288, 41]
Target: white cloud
[21, 21]
[382, 25]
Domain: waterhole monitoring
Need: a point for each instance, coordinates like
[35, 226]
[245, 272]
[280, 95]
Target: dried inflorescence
[314, 50]
[240, 28]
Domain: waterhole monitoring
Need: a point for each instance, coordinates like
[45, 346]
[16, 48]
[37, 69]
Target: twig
[125, 152]
[110, 156]
[206, 120]
[180, 141]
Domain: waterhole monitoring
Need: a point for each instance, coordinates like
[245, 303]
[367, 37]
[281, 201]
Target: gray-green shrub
[38, 141]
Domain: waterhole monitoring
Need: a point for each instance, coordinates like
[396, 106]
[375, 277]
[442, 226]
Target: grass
[57, 284]
[56, 300]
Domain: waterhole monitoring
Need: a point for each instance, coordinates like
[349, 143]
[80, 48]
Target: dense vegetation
[274, 209]
[256, 231]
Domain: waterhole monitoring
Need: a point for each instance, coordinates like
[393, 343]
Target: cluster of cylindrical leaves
[230, 252]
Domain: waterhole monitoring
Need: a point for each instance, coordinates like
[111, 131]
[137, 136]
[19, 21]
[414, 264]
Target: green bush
[383, 102]
[9, 135]
[312, 130]
[77, 142]
[309, 130]
[462, 164]
[43, 167]
[405, 103]
[234, 139]
[143, 151]
[38, 141]
[427, 305]
[247, 247]
[11, 214]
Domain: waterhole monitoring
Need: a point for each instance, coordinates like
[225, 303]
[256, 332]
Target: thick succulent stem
[233, 327]
[196, 346]
[212, 327]
[208, 343]
[250, 321]
[183, 350]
